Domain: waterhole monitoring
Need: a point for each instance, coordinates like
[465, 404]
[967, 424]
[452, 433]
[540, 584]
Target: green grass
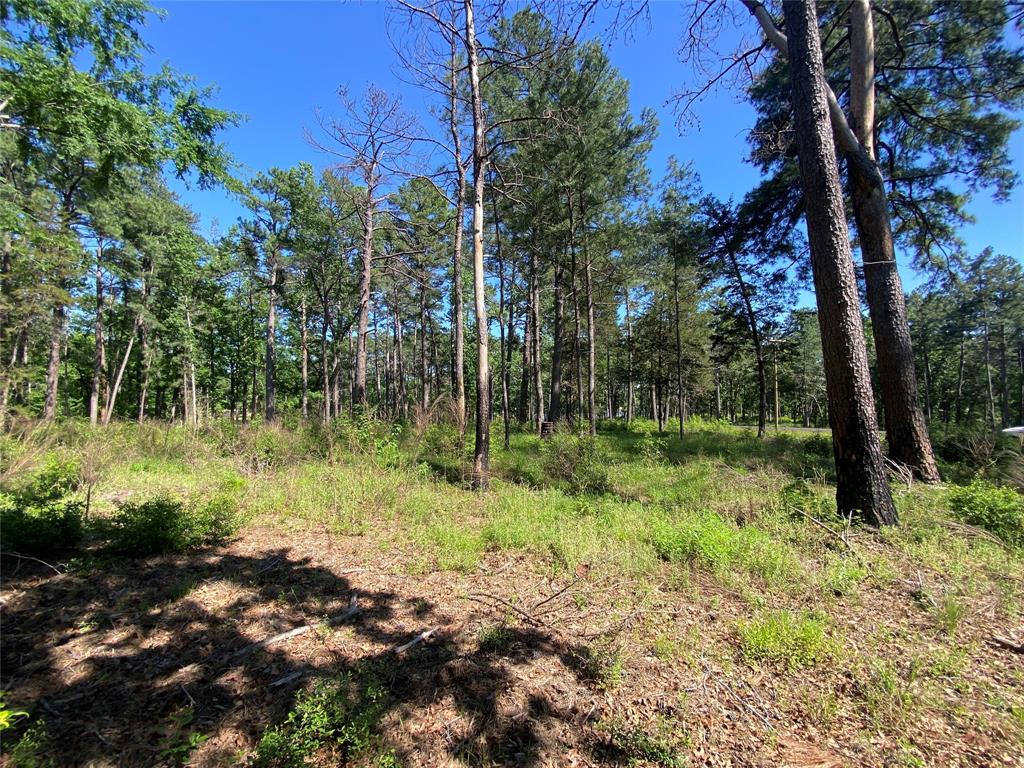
[787, 638]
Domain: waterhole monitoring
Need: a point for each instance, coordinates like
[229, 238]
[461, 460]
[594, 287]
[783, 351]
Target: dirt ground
[124, 662]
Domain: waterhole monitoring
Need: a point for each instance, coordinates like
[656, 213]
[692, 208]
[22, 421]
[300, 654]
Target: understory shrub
[163, 524]
[574, 462]
[39, 517]
[999, 510]
[340, 715]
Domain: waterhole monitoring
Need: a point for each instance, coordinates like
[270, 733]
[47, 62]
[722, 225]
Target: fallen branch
[421, 637]
[481, 597]
[829, 529]
[1008, 644]
[353, 609]
[53, 568]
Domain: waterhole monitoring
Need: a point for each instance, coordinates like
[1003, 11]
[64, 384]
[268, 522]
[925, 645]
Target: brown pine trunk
[630, 403]
[538, 384]
[588, 286]
[679, 346]
[458, 313]
[905, 427]
[108, 409]
[861, 485]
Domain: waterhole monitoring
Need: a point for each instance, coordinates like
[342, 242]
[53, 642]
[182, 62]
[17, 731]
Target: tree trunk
[270, 351]
[53, 364]
[504, 331]
[588, 286]
[905, 427]
[679, 344]
[108, 409]
[1004, 389]
[304, 355]
[861, 484]
[629, 362]
[482, 446]
[99, 360]
[458, 313]
[538, 384]
[363, 321]
[555, 403]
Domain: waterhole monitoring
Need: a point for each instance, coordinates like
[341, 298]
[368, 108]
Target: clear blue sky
[276, 62]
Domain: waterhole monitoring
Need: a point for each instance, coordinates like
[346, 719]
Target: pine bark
[861, 485]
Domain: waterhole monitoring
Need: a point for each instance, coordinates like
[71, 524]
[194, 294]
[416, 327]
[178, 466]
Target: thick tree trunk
[905, 427]
[482, 446]
[53, 363]
[861, 484]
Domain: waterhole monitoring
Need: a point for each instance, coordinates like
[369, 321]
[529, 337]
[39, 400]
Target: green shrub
[52, 527]
[996, 509]
[163, 524]
[37, 517]
[442, 441]
[573, 461]
[791, 639]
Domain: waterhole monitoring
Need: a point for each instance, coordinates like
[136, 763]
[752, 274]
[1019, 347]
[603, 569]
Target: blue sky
[277, 62]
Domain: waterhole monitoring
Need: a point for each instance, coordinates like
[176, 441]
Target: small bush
[37, 517]
[163, 524]
[53, 527]
[784, 637]
[573, 461]
[996, 509]
[442, 441]
[340, 715]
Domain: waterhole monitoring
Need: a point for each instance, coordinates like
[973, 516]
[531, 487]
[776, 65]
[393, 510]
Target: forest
[479, 440]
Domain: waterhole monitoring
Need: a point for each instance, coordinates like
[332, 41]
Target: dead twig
[1007, 643]
[842, 537]
[353, 609]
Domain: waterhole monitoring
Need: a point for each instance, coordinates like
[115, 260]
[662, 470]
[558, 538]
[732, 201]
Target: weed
[948, 613]
[574, 462]
[787, 638]
[713, 542]
[887, 695]
[493, 638]
[9, 717]
[635, 744]
[601, 665]
[842, 576]
[28, 751]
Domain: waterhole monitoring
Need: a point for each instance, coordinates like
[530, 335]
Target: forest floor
[694, 604]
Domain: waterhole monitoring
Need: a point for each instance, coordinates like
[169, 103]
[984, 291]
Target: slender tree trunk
[588, 285]
[99, 360]
[524, 381]
[269, 400]
[555, 403]
[325, 364]
[538, 384]
[147, 355]
[482, 447]
[504, 331]
[679, 344]
[861, 484]
[108, 409]
[363, 320]
[458, 313]
[629, 361]
[304, 355]
[53, 364]
[990, 398]
[1004, 389]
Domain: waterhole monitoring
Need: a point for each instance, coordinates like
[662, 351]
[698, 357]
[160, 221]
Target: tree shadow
[123, 664]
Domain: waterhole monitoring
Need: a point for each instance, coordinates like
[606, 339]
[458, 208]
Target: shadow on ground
[123, 665]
